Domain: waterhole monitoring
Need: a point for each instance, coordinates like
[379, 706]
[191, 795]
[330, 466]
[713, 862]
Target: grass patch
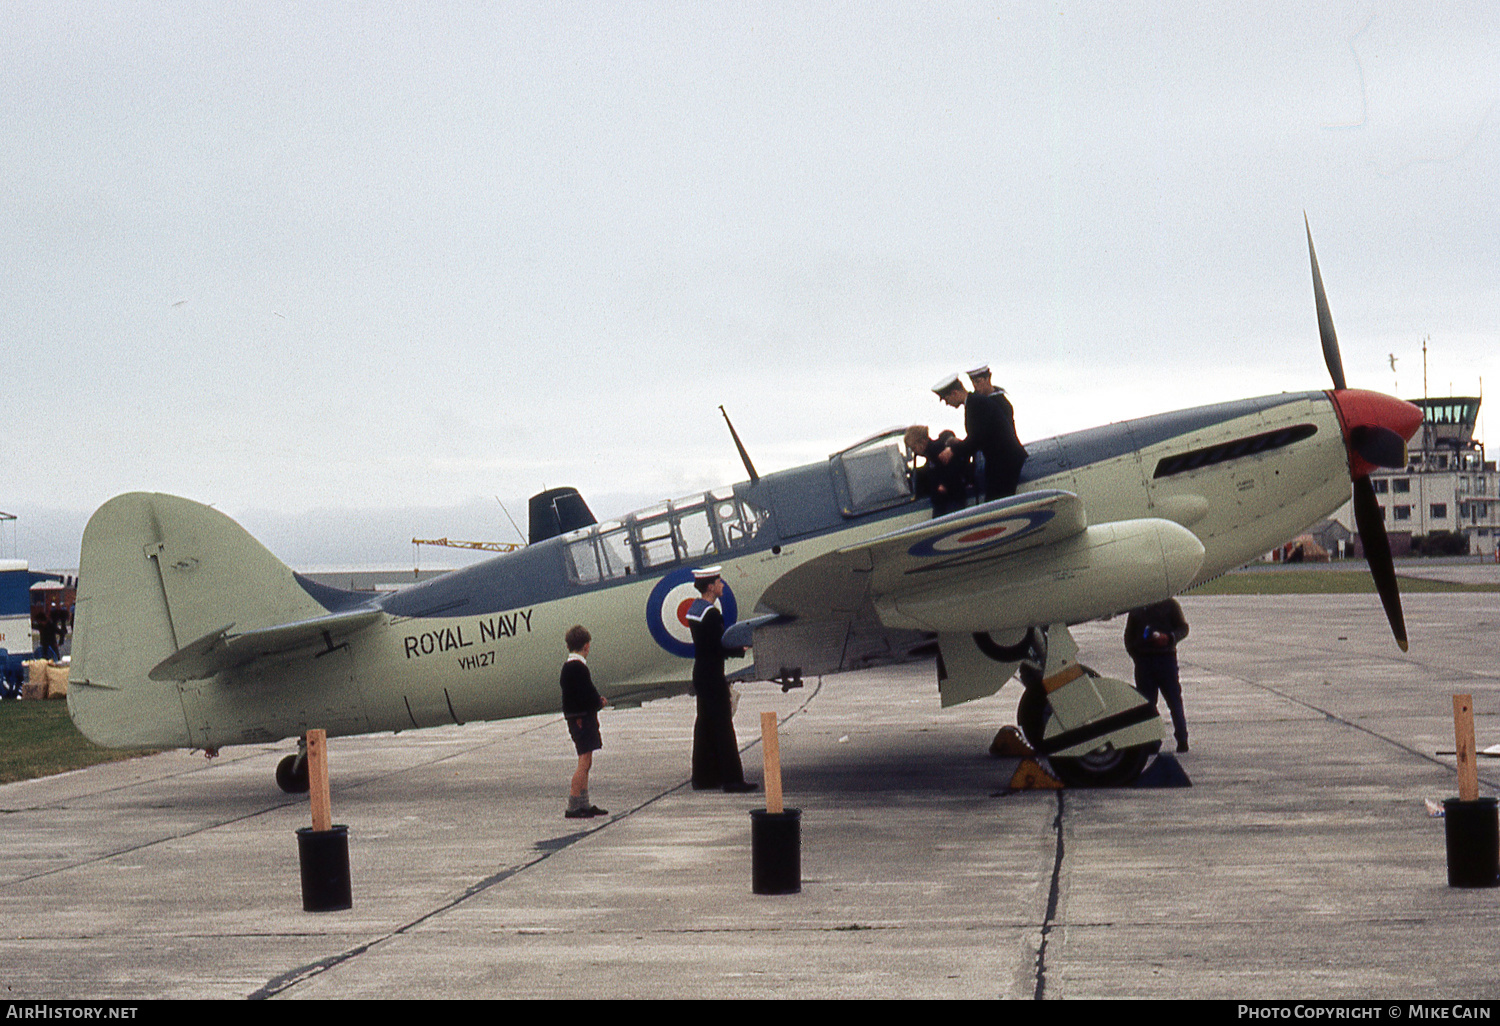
[1321, 582]
[38, 739]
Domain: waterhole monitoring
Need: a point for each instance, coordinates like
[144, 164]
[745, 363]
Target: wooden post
[1463, 736]
[317, 779]
[771, 750]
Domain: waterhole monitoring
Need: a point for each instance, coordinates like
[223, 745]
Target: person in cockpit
[945, 482]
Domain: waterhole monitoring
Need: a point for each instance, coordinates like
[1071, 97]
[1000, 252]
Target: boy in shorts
[581, 704]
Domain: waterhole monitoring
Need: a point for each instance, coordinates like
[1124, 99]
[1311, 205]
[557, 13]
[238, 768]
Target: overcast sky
[350, 271]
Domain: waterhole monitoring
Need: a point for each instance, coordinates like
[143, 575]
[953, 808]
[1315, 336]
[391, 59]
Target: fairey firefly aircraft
[189, 633]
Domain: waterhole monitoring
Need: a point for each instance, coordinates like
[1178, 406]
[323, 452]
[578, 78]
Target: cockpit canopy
[697, 529]
[872, 475]
[869, 476]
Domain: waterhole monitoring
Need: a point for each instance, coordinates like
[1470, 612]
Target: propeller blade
[1374, 444]
[1378, 554]
[1325, 319]
[1379, 445]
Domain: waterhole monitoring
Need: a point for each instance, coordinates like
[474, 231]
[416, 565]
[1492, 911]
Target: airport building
[35, 612]
[1446, 500]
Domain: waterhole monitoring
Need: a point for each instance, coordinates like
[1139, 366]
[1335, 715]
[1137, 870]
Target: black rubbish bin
[776, 851]
[1473, 830]
[325, 868]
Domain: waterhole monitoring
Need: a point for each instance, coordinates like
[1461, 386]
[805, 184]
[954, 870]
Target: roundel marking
[972, 538]
[982, 534]
[666, 611]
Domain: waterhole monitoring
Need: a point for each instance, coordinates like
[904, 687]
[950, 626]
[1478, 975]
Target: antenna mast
[744, 456]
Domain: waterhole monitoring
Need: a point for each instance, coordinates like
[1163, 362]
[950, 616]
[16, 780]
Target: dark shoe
[594, 810]
[704, 787]
[588, 813]
[1182, 746]
[741, 787]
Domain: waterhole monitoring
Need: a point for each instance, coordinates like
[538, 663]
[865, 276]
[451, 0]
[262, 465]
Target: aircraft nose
[1376, 428]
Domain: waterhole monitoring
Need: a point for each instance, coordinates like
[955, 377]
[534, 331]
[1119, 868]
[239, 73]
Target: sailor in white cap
[951, 383]
[716, 751]
[979, 377]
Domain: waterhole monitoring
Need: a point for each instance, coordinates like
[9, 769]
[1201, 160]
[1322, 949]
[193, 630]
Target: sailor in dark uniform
[716, 751]
[990, 424]
[1008, 474]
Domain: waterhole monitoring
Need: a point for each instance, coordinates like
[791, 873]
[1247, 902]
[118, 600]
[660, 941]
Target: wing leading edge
[1028, 560]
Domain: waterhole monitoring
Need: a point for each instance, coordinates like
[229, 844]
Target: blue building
[19, 602]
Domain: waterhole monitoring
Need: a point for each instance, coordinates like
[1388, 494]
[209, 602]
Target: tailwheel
[1105, 766]
[291, 774]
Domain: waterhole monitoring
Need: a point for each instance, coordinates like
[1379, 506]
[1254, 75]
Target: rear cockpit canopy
[703, 528]
[695, 530]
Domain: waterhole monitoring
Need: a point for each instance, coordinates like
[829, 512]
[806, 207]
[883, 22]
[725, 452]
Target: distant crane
[456, 544]
[453, 543]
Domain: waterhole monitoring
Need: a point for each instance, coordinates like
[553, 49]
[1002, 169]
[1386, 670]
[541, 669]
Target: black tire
[290, 777]
[1105, 767]
[1031, 715]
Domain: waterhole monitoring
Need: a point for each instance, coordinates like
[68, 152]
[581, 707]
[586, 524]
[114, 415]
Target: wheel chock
[1164, 771]
[1010, 742]
[1030, 776]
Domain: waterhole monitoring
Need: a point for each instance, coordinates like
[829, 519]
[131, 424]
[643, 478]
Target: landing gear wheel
[1104, 767]
[291, 775]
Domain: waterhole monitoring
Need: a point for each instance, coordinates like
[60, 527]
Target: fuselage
[485, 642]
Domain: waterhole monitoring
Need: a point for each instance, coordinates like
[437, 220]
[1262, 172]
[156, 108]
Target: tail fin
[157, 573]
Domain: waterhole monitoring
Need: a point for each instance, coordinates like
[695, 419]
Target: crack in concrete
[116, 853]
[280, 984]
[1336, 718]
[1050, 921]
[1053, 896]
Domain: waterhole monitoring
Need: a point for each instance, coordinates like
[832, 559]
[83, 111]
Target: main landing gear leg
[291, 772]
[1095, 731]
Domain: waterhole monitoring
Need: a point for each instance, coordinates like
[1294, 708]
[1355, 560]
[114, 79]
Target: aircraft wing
[841, 580]
[219, 650]
[1027, 560]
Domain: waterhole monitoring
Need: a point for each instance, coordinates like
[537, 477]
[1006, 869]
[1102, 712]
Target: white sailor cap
[982, 371]
[947, 385]
[707, 573]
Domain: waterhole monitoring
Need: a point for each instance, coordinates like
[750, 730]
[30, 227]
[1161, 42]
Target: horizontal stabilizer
[219, 650]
